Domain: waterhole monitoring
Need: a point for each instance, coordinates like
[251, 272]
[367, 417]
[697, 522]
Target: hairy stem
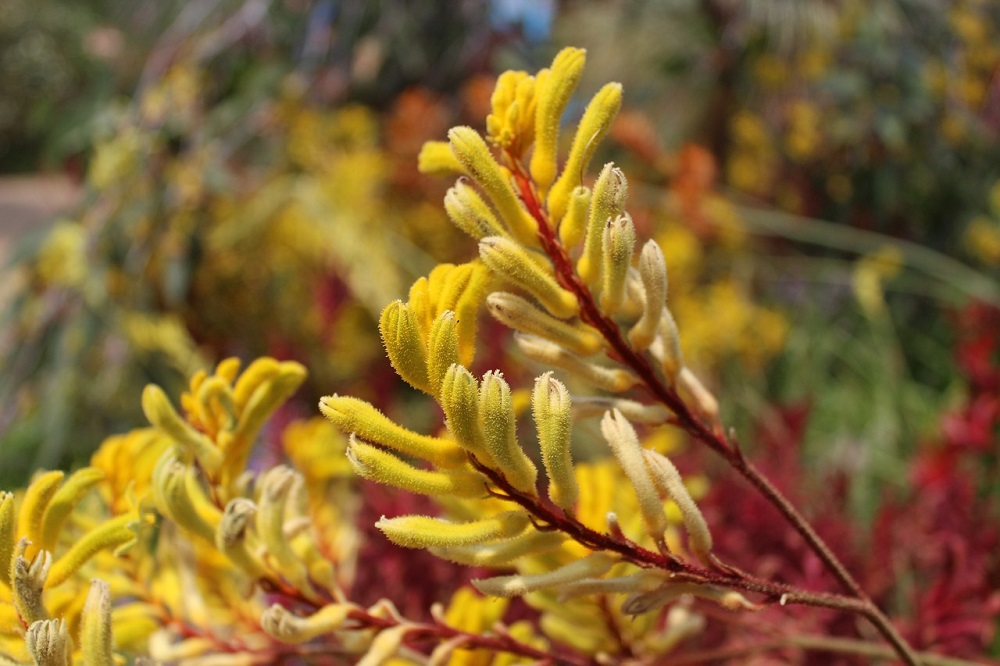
[714, 439]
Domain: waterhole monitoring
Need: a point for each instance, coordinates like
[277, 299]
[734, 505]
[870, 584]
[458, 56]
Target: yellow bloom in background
[982, 239]
[869, 276]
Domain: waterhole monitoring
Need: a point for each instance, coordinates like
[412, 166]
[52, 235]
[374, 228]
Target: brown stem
[713, 438]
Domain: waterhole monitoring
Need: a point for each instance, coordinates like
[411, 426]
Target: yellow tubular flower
[470, 213]
[459, 400]
[496, 413]
[470, 149]
[520, 315]
[115, 534]
[275, 488]
[63, 502]
[617, 248]
[543, 351]
[49, 643]
[517, 585]
[36, 499]
[552, 98]
[653, 272]
[282, 625]
[404, 344]
[511, 262]
[386, 644]
[552, 410]
[95, 632]
[231, 536]
[190, 443]
[531, 542]
[668, 480]
[436, 159]
[511, 123]
[8, 534]
[594, 125]
[427, 532]
[574, 225]
[28, 579]
[607, 203]
[351, 415]
[383, 467]
[442, 351]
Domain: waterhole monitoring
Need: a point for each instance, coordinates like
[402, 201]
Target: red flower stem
[623, 351]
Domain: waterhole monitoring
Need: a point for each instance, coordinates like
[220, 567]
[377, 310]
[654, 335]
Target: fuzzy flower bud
[553, 413]
[618, 245]
[496, 412]
[615, 380]
[511, 262]
[470, 213]
[520, 315]
[427, 532]
[404, 344]
[606, 203]
[552, 98]
[653, 272]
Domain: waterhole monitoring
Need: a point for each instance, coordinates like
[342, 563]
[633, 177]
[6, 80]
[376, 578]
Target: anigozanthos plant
[560, 264]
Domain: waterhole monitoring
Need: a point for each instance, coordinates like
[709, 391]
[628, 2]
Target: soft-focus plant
[234, 559]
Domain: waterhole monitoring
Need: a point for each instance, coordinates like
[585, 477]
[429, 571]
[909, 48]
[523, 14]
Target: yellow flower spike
[593, 127]
[667, 346]
[459, 399]
[517, 585]
[453, 286]
[95, 630]
[531, 542]
[352, 415]
[385, 646]
[381, 466]
[616, 380]
[552, 410]
[470, 213]
[624, 442]
[436, 159]
[116, 534]
[28, 580]
[704, 402]
[574, 225]
[653, 272]
[510, 262]
[668, 480]
[40, 492]
[214, 404]
[49, 643]
[617, 249]
[191, 443]
[474, 155]
[63, 502]
[174, 499]
[275, 487]
[8, 534]
[606, 203]
[442, 349]
[404, 344]
[258, 372]
[427, 532]
[282, 625]
[552, 98]
[521, 315]
[496, 414]
[231, 536]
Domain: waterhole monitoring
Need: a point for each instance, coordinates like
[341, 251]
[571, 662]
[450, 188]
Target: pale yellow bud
[523, 316]
[283, 625]
[191, 444]
[436, 159]
[552, 410]
[470, 213]
[574, 225]
[460, 401]
[653, 272]
[531, 542]
[668, 480]
[606, 203]
[8, 533]
[511, 262]
[383, 467]
[618, 245]
[427, 532]
[231, 536]
[616, 380]
[404, 344]
[702, 399]
[595, 564]
[95, 629]
[49, 643]
[496, 413]
[442, 349]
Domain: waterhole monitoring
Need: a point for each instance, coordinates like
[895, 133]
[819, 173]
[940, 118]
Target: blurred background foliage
[824, 179]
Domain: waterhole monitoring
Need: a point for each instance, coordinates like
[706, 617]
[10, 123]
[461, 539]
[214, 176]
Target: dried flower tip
[351, 415]
[704, 402]
[618, 246]
[624, 442]
[286, 627]
[668, 480]
[552, 411]
[552, 98]
[595, 564]
[606, 203]
[28, 582]
[653, 272]
[511, 262]
[531, 542]
[427, 532]
[95, 630]
[404, 344]
[442, 349]
[436, 159]
[574, 225]
[593, 126]
[496, 413]
[49, 643]
[615, 380]
[383, 467]
[634, 411]
[191, 444]
[523, 316]
[475, 157]
[470, 213]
